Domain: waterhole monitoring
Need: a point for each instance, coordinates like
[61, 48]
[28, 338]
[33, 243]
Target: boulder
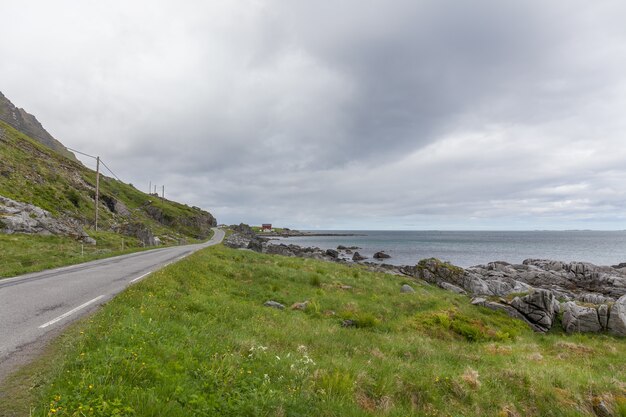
[406, 288]
[281, 249]
[300, 306]
[617, 317]
[255, 245]
[274, 304]
[358, 257]
[381, 255]
[537, 307]
[578, 318]
[332, 253]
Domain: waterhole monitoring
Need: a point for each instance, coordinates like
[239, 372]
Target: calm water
[473, 248]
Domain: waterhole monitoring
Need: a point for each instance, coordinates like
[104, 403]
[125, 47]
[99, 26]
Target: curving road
[33, 306]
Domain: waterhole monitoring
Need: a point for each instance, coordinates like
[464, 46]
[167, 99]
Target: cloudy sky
[352, 114]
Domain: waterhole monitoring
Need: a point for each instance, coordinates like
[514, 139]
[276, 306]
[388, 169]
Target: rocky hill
[43, 191]
[28, 124]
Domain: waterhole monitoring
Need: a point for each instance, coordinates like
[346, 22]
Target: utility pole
[97, 187]
[150, 188]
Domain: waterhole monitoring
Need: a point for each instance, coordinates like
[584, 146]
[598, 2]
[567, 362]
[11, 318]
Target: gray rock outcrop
[16, 217]
[538, 307]
[534, 289]
[141, 232]
[578, 318]
[617, 317]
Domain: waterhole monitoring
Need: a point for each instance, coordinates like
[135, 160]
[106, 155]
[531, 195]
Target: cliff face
[28, 124]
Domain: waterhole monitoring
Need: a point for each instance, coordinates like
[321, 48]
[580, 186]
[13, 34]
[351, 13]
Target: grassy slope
[195, 339]
[32, 173]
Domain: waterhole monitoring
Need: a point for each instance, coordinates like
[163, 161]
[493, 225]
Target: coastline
[578, 296]
[470, 248]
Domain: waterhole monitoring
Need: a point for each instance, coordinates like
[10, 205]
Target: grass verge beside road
[195, 339]
[21, 254]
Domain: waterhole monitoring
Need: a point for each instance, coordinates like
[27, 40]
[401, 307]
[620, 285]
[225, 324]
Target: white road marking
[69, 313]
[138, 278]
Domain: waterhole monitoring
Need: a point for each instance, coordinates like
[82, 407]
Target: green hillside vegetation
[33, 173]
[196, 339]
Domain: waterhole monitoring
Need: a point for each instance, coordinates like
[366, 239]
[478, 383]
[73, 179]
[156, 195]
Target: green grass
[194, 339]
[27, 253]
[22, 254]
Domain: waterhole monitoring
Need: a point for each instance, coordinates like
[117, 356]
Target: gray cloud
[399, 114]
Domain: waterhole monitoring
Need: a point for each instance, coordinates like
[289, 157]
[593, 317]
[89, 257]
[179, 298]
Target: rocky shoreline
[583, 297]
[298, 233]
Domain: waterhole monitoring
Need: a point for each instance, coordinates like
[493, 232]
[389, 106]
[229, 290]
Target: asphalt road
[33, 306]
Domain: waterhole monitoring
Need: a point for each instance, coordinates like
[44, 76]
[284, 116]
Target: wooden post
[97, 188]
[163, 193]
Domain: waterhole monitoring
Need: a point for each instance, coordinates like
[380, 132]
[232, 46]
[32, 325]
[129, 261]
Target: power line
[82, 153]
[95, 157]
[112, 173]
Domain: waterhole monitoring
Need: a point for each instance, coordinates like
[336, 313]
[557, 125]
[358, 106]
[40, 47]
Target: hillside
[28, 124]
[33, 173]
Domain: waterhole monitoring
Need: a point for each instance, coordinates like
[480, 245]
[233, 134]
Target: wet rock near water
[356, 257]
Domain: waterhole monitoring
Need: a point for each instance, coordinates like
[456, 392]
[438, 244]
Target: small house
[266, 227]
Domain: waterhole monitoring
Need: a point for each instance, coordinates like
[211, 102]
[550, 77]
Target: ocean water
[467, 248]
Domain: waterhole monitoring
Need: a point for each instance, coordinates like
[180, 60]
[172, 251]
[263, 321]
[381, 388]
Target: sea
[469, 248]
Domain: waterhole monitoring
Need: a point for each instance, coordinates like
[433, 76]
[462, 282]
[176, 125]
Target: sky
[352, 114]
